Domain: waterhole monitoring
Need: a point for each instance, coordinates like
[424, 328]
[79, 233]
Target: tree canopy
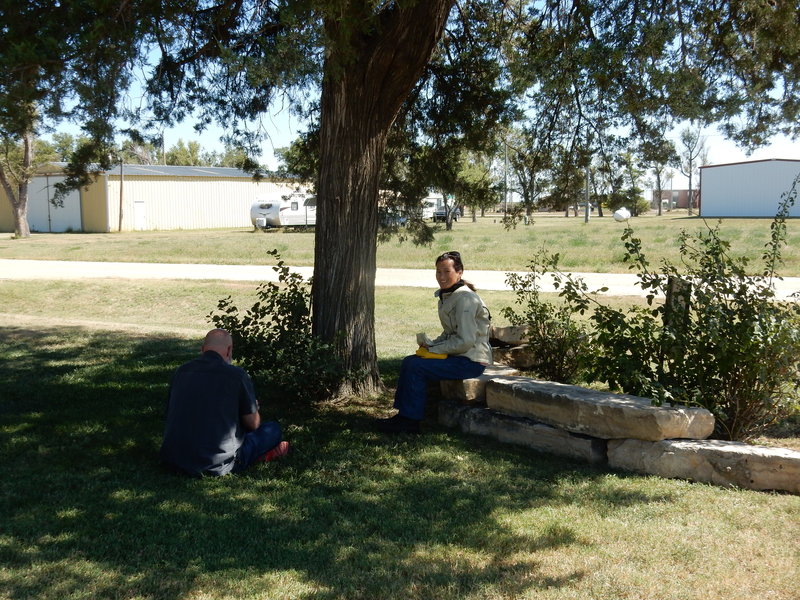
[438, 76]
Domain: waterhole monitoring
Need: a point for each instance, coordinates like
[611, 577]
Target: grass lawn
[593, 247]
[88, 513]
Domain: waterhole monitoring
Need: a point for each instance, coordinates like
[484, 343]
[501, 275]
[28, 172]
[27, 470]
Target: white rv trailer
[429, 204]
[294, 210]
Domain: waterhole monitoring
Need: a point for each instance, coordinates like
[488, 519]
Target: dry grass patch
[485, 244]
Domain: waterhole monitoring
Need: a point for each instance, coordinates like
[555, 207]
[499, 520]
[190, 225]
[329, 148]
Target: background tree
[189, 154]
[529, 166]
[607, 183]
[65, 144]
[568, 182]
[60, 60]
[659, 154]
[693, 147]
[405, 189]
[17, 167]
[475, 185]
[18, 164]
[134, 151]
[231, 156]
[633, 175]
[301, 158]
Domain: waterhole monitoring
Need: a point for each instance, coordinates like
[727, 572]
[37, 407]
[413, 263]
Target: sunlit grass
[485, 244]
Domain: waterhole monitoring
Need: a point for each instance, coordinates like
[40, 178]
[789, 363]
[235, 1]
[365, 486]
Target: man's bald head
[221, 342]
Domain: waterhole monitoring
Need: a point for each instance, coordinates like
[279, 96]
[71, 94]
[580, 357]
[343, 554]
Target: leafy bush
[721, 340]
[557, 345]
[273, 341]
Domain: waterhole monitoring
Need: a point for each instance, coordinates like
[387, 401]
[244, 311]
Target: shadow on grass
[88, 512]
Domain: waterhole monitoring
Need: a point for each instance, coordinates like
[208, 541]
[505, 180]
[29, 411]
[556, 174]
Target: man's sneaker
[279, 451]
[398, 424]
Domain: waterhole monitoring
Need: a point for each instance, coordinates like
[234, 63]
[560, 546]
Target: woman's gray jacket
[465, 323]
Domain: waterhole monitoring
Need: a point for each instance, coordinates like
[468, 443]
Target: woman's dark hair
[457, 264]
[455, 257]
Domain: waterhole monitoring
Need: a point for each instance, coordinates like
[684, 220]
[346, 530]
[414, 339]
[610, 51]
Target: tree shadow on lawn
[88, 512]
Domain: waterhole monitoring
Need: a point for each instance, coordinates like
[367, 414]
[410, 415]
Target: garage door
[43, 216]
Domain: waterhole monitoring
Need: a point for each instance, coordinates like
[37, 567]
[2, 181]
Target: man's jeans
[256, 444]
[415, 374]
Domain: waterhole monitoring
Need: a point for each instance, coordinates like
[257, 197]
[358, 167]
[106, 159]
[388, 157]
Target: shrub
[557, 345]
[273, 340]
[721, 340]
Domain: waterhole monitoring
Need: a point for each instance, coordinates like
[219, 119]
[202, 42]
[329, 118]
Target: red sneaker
[279, 451]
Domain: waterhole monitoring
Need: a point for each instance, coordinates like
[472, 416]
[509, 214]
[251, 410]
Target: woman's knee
[410, 364]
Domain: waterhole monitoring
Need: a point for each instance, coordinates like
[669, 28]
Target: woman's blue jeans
[417, 372]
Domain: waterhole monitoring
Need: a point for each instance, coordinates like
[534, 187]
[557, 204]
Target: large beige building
[145, 197]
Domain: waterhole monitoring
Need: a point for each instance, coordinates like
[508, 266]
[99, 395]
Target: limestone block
[473, 391]
[595, 413]
[518, 357]
[521, 358]
[521, 431]
[711, 461]
[502, 355]
[512, 335]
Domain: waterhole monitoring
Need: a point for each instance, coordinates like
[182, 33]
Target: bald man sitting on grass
[213, 424]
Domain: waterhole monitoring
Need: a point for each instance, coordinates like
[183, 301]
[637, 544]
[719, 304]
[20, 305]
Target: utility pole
[505, 177]
[586, 211]
[120, 193]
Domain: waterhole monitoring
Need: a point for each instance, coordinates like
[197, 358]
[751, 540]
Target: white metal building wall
[186, 203]
[46, 218]
[747, 189]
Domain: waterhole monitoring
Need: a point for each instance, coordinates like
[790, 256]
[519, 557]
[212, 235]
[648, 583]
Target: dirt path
[617, 284]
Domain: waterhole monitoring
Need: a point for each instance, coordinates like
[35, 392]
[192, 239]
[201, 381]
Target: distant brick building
[678, 198]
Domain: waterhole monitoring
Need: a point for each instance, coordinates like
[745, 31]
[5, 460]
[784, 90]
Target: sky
[722, 151]
[281, 127]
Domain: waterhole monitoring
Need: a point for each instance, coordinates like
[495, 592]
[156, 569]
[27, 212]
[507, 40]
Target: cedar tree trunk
[368, 75]
[19, 197]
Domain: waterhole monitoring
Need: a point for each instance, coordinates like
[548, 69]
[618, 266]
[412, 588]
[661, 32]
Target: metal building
[145, 197]
[748, 189]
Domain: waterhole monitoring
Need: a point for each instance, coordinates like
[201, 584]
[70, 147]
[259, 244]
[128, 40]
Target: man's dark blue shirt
[207, 397]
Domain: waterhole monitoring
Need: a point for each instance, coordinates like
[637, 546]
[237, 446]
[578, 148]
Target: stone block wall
[620, 431]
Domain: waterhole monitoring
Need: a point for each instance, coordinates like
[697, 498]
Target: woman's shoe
[398, 424]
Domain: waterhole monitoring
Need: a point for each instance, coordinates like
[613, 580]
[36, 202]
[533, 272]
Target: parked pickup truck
[441, 215]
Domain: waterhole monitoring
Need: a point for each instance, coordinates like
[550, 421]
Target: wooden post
[120, 194]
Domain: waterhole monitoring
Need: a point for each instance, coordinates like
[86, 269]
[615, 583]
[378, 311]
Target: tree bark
[19, 197]
[368, 75]
[21, 227]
